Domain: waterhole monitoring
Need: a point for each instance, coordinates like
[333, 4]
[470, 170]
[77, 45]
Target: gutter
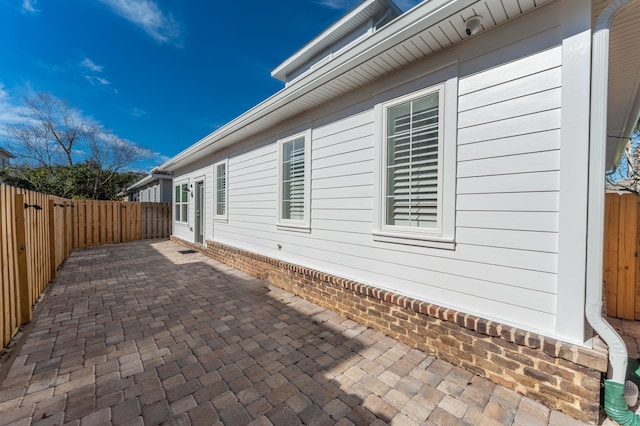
[614, 401]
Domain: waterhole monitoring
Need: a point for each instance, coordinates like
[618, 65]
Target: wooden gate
[621, 255]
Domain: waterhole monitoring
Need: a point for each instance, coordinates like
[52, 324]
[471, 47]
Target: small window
[182, 203]
[417, 172]
[220, 170]
[294, 187]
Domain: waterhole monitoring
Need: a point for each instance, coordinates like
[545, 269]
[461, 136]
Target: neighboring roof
[425, 30]
[148, 179]
[368, 11]
[5, 153]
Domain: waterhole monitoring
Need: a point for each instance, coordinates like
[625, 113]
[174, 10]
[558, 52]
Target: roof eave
[281, 71]
[6, 153]
[425, 15]
[148, 179]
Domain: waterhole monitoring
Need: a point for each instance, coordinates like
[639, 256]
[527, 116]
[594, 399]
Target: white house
[153, 188]
[438, 175]
[5, 159]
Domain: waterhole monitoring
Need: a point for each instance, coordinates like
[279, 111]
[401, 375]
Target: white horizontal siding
[512, 71]
[522, 144]
[522, 106]
[508, 220]
[510, 164]
[520, 240]
[533, 123]
[522, 182]
[512, 89]
[505, 261]
[510, 201]
[328, 181]
[251, 181]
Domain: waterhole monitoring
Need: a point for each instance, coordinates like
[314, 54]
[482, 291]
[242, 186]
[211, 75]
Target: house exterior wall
[158, 191]
[520, 140]
[509, 125]
[5, 161]
[166, 191]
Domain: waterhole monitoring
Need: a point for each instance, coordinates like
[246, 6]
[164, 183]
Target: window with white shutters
[220, 211]
[412, 163]
[417, 154]
[294, 181]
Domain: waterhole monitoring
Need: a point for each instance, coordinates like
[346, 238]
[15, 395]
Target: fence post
[52, 239]
[65, 239]
[21, 250]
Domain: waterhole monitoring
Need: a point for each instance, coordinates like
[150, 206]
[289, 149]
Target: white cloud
[10, 111]
[348, 4]
[147, 15]
[90, 65]
[97, 80]
[92, 76]
[30, 6]
[137, 112]
[337, 4]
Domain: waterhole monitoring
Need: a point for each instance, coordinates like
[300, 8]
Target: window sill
[429, 241]
[221, 219]
[292, 227]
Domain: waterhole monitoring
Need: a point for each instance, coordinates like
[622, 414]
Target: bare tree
[65, 154]
[50, 131]
[109, 154]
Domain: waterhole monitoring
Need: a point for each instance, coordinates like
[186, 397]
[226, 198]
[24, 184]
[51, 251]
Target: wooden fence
[38, 232]
[621, 263]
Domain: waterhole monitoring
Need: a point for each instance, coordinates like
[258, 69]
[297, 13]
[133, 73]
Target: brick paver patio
[141, 333]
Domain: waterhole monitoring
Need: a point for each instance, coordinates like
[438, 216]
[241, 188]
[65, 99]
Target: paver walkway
[140, 333]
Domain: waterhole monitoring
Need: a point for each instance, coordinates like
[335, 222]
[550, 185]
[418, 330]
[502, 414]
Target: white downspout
[597, 153]
[614, 401]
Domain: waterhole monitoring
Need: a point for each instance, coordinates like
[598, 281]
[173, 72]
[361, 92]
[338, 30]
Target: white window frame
[443, 235]
[181, 203]
[216, 216]
[303, 225]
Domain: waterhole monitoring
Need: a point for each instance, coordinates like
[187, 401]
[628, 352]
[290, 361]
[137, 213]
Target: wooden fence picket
[35, 241]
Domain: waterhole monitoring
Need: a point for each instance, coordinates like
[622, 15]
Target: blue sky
[160, 73]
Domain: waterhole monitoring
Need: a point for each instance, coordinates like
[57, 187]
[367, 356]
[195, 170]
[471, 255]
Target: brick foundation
[563, 376]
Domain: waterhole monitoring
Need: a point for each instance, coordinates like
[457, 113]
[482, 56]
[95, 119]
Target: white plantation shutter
[293, 178]
[221, 189]
[412, 163]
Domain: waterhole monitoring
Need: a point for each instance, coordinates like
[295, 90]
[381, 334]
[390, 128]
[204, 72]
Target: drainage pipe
[615, 405]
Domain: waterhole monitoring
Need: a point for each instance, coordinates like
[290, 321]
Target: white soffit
[425, 30]
[624, 77]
